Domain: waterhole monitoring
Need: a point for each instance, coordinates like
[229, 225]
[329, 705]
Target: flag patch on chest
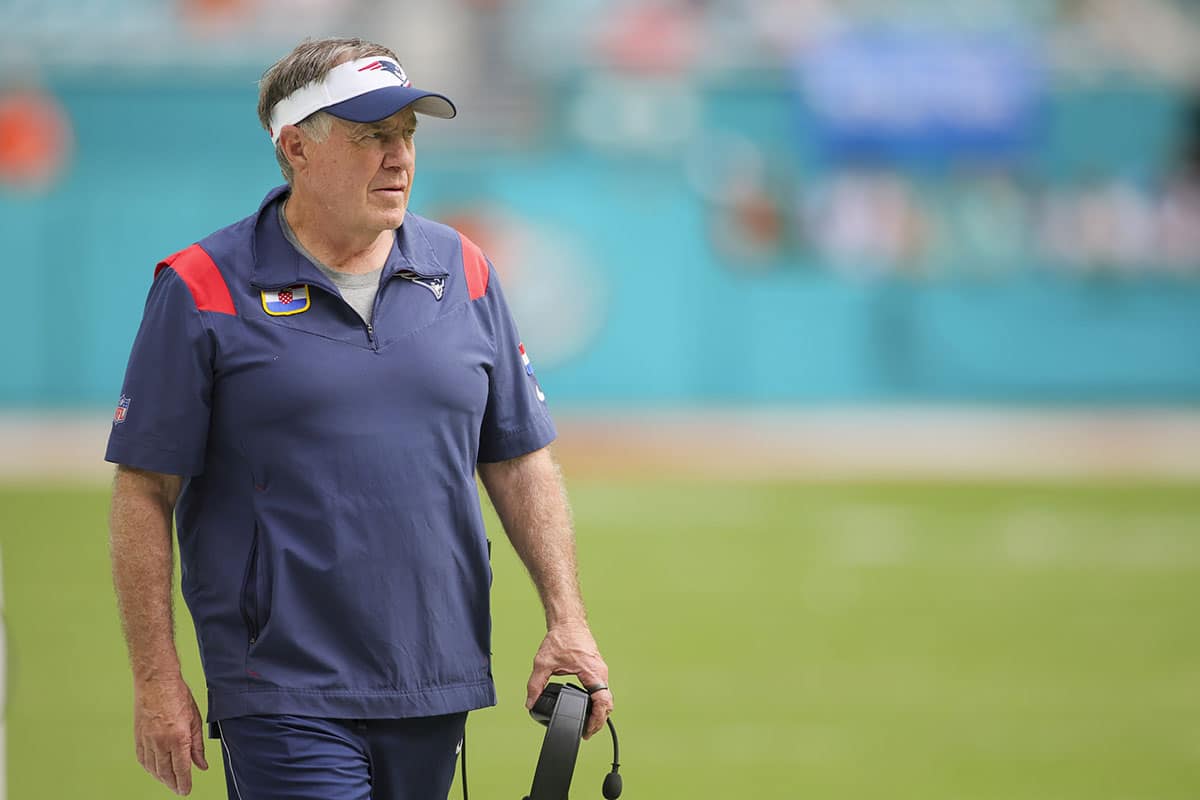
[282, 302]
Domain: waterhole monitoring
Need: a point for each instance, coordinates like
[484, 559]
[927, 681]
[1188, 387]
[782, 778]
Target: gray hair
[311, 61]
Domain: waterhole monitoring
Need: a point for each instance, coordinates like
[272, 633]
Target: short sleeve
[516, 420]
[161, 420]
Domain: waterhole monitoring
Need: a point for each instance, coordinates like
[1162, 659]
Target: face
[361, 175]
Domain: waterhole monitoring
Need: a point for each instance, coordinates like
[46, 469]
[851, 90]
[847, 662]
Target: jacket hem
[350, 704]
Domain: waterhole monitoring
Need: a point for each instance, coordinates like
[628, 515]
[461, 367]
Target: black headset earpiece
[543, 707]
[564, 710]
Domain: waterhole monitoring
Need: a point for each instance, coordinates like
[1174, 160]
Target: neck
[337, 246]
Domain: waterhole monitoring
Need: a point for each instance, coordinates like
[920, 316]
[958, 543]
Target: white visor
[365, 90]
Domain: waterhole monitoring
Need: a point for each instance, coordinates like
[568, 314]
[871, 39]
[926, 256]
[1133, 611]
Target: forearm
[531, 501]
[140, 547]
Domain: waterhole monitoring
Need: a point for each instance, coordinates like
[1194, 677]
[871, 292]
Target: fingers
[181, 764]
[171, 766]
[147, 760]
[198, 741]
[537, 681]
[571, 650]
[602, 706]
[601, 700]
[198, 753]
[159, 765]
[168, 733]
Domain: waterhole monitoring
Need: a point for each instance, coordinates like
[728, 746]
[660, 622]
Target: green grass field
[766, 641]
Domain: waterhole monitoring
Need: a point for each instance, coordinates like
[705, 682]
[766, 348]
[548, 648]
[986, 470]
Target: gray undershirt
[357, 290]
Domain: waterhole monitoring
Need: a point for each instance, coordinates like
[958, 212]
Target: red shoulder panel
[475, 267]
[202, 277]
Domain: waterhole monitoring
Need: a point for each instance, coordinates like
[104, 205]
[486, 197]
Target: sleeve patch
[475, 267]
[202, 277]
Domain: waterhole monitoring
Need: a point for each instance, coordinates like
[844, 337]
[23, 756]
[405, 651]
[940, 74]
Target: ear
[295, 146]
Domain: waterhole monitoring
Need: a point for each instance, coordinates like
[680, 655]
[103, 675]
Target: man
[311, 393]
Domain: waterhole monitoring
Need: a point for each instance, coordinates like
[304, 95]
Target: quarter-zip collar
[277, 264]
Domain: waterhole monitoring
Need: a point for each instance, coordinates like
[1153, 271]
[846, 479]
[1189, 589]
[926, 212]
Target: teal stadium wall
[161, 161]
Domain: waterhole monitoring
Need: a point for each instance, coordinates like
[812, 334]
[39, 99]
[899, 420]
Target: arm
[531, 501]
[167, 729]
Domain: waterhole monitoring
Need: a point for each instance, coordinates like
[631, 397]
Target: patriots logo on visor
[387, 66]
[283, 302]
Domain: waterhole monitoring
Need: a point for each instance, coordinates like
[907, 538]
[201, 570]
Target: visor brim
[382, 103]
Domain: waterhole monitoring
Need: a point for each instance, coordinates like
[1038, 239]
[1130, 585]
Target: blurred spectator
[633, 79]
[216, 17]
[1155, 38]
[657, 36]
[982, 224]
[868, 222]
[739, 185]
[1179, 213]
[788, 27]
[35, 138]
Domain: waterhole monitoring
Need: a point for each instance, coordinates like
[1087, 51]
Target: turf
[766, 641]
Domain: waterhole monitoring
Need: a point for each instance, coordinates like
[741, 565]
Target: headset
[563, 709]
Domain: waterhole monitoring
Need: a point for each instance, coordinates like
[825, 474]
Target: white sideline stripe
[228, 760]
[771, 442]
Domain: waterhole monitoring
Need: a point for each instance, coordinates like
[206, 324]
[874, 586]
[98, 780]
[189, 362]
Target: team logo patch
[122, 410]
[282, 302]
[387, 66]
[435, 285]
[529, 371]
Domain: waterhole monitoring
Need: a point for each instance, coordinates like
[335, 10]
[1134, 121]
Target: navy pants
[306, 758]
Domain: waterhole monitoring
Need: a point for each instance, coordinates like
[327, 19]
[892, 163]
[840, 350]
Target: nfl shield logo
[122, 410]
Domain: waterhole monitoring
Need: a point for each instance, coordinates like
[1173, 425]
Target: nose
[398, 153]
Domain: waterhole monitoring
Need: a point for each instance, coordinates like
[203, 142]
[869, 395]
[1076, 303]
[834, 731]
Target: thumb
[198, 742]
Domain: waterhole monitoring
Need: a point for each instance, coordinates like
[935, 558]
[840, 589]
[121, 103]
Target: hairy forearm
[531, 501]
[140, 547]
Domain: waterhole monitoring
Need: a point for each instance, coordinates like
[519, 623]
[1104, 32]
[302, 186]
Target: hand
[168, 732]
[570, 649]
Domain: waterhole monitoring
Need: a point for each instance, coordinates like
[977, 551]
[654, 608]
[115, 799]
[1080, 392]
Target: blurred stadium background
[873, 330]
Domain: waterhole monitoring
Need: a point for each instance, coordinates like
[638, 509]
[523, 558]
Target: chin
[391, 218]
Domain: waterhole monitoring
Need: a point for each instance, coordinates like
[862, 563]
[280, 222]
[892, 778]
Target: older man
[311, 393]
